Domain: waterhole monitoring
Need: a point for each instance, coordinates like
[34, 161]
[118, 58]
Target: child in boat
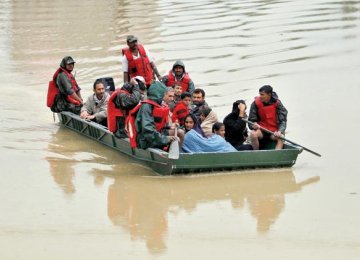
[182, 109]
[219, 129]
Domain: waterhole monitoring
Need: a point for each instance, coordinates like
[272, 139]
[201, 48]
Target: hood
[156, 92]
[179, 63]
[66, 60]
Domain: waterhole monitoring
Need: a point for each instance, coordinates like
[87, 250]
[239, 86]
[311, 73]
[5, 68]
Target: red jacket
[181, 110]
[267, 115]
[140, 66]
[184, 82]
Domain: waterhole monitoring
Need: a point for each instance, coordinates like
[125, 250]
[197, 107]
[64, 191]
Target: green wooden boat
[158, 160]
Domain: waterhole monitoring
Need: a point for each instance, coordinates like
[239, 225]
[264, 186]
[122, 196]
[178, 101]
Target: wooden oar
[283, 138]
[174, 151]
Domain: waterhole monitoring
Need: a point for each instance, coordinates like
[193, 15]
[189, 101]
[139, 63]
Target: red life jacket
[184, 82]
[160, 114]
[113, 112]
[140, 66]
[53, 90]
[267, 114]
[180, 112]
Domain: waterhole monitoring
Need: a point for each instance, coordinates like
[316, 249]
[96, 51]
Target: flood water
[64, 196]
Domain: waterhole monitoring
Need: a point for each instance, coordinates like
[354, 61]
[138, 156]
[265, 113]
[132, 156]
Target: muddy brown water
[64, 196]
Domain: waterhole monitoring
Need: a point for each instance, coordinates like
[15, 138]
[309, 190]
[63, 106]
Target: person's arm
[164, 79]
[125, 68]
[130, 101]
[191, 87]
[153, 66]
[65, 87]
[281, 117]
[253, 116]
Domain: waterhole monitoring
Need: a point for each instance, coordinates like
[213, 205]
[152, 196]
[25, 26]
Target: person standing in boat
[148, 121]
[136, 61]
[95, 107]
[64, 92]
[198, 101]
[179, 76]
[121, 102]
[235, 127]
[268, 112]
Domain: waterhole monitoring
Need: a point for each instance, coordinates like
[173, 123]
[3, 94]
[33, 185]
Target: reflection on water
[142, 205]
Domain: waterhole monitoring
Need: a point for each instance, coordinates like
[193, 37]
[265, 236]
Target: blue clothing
[195, 143]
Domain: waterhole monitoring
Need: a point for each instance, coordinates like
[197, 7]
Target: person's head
[178, 68]
[189, 122]
[265, 93]
[141, 82]
[204, 112]
[131, 41]
[186, 98]
[156, 92]
[99, 89]
[198, 96]
[178, 89]
[68, 63]
[235, 107]
[219, 129]
[169, 95]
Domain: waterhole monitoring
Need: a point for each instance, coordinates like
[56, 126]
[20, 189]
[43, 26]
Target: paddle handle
[282, 138]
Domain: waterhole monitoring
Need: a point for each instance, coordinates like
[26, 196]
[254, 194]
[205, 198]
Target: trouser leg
[120, 123]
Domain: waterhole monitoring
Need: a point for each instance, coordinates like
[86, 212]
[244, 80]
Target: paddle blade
[174, 150]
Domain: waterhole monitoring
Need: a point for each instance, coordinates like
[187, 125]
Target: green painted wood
[158, 160]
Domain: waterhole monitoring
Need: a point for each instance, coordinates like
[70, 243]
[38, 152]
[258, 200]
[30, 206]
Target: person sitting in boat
[178, 75]
[121, 102]
[208, 118]
[219, 129]
[64, 92]
[235, 127]
[177, 96]
[181, 109]
[268, 112]
[95, 107]
[198, 101]
[195, 140]
[137, 61]
[148, 122]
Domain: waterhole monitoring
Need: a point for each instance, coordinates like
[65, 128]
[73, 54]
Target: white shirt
[125, 62]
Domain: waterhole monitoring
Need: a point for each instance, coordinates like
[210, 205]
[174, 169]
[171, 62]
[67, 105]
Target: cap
[131, 38]
[141, 82]
[69, 60]
[137, 78]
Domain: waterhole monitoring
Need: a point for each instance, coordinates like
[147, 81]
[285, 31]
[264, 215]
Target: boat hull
[158, 160]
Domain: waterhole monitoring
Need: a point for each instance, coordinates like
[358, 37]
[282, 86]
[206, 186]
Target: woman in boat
[208, 118]
[235, 127]
[195, 140]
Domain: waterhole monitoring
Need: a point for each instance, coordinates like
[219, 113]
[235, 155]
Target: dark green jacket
[147, 135]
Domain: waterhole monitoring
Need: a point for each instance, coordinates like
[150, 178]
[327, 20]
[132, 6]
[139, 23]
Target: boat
[159, 161]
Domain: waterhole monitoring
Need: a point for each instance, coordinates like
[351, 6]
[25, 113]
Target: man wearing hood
[178, 75]
[151, 120]
[235, 127]
[268, 112]
[68, 97]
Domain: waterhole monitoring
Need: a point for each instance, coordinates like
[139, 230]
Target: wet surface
[64, 196]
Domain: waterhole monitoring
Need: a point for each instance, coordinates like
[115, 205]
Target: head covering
[156, 92]
[141, 82]
[178, 63]
[197, 126]
[66, 60]
[131, 38]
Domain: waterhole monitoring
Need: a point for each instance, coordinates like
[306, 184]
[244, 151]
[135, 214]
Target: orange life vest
[180, 112]
[184, 82]
[160, 114]
[113, 112]
[53, 90]
[140, 66]
[267, 114]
